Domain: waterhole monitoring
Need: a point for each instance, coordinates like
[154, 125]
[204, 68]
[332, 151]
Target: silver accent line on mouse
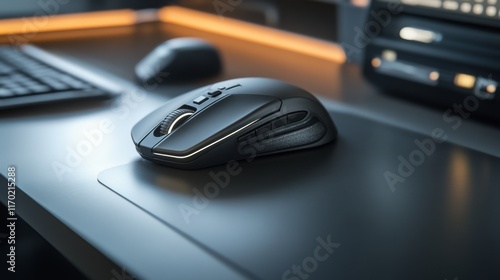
[209, 145]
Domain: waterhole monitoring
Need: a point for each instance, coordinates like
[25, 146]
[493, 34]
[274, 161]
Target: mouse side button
[200, 99]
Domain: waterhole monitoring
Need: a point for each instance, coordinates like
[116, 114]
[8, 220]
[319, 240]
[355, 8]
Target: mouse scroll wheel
[174, 120]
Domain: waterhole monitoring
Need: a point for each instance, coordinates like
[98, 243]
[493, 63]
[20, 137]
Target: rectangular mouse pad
[378, 203]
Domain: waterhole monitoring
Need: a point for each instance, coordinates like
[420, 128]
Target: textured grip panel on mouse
[301, 137]
[289, 137]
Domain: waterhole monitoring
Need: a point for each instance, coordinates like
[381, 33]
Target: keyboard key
[5, 93]
[4, 69]
[20, 90]
[56, 85]
[80, 85]
[74, 83]
[39, 89]
[30, 83]
[10, 84]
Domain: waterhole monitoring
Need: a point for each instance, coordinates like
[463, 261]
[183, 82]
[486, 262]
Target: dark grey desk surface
[442, 222]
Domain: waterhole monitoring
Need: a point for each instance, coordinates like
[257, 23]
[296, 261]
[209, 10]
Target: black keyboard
[29, 76]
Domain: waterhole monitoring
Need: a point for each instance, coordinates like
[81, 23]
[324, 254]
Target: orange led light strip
[252, 32]
[47, 23]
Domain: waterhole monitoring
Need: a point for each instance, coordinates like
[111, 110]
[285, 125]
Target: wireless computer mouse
[233, 120]
[180, 58]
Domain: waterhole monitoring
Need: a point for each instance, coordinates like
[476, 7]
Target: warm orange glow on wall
[180, 16]
[360, 3]
[67, 22]
[252, 32]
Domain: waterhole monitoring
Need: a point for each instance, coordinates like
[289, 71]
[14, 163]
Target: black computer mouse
[233, 120]
[179, 58]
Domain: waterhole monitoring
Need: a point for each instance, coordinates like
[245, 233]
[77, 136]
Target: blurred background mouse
[179, 59]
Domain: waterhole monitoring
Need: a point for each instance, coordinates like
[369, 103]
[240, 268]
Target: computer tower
[444, 53]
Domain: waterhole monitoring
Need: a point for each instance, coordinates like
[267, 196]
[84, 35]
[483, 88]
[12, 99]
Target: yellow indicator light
[376, 62]
[434, 75]
[491, 89]
[465, 81]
